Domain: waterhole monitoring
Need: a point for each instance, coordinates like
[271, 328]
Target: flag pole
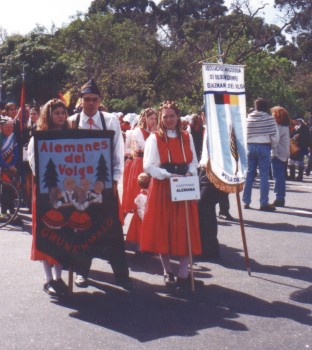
[189, 245]
[242, 227]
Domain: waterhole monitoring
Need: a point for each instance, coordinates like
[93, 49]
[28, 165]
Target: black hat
[298, 118]
[90, 88]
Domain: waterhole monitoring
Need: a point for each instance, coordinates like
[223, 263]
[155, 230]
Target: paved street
[271, 309]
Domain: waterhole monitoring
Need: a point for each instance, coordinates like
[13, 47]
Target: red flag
[22, 106]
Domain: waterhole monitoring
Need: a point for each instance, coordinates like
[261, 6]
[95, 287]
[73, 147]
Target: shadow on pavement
[233, 260]
[152, 312]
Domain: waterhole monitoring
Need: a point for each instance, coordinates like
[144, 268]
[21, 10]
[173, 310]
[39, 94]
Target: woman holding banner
[52, 117]
[170, 152]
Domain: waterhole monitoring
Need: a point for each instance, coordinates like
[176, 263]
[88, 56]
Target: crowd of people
[148, 149]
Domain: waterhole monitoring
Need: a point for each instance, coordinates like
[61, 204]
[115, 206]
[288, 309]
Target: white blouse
[151, 159]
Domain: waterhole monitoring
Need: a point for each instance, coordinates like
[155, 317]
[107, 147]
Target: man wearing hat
[91, 118]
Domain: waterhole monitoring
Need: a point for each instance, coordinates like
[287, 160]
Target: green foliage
[141, 53]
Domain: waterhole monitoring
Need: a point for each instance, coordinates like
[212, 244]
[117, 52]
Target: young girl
[134, 231]
[52, 117]
[147, 124]
[170, 152]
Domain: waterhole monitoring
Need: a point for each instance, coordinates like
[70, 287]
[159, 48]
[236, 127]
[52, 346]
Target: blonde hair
[144, 115]
[169, 105]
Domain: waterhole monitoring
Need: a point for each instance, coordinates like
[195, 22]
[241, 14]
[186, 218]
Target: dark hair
[45, 119]
[261, 105]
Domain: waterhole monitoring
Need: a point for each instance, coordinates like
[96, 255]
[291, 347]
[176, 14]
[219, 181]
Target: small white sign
[184, 188]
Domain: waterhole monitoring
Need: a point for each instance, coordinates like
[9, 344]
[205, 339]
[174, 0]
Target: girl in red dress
[170, 152]
[134, 231]
[147, 124]
[52, 117]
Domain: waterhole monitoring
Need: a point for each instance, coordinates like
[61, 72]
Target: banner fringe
[221, 185]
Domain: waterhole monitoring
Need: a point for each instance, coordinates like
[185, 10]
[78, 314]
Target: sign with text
[225, 139]
[76, 209]
[184, 188]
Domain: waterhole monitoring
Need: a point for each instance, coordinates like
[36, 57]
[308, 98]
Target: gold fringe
[222, 186]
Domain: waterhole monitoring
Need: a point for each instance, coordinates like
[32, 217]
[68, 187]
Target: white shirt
[140, 201]
[112, 123]
[151, 159]
[138, 140]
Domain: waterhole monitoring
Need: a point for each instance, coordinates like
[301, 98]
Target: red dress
[164, 226]
[135, 227]
[35, 253]
[132, 188]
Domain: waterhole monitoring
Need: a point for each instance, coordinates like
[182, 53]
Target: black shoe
[61, 288]
[169, 280]
[226, 216]
[267, 207]
[126, 283]
[246, 206]
[48, 288]
[81, 281]
[186, 283]
[278, 203]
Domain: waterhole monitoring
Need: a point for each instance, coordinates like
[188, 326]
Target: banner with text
[76, 210]
[225, 110]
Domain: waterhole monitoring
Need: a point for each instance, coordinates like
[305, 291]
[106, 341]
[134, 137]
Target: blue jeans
[258, 155]
[278, 172]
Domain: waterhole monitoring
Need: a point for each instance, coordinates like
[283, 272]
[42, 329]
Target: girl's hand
[188, 174]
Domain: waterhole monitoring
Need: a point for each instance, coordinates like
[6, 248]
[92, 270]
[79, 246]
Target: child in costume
[134, 231]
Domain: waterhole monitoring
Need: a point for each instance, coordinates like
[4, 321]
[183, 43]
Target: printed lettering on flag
[76, 209]
[225, 110]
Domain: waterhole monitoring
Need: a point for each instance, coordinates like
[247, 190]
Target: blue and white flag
[225, 110]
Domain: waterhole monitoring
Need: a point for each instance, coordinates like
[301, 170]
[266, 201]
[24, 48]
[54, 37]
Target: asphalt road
[271, 309]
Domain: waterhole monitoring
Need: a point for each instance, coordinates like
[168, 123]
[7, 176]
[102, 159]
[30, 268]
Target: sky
[22, 16]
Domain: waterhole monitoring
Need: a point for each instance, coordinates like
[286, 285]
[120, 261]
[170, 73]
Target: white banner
[225, 110]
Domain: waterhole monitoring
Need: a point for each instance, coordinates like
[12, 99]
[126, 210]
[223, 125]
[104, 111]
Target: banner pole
[70, 281]
[241, 222]
[189, 245]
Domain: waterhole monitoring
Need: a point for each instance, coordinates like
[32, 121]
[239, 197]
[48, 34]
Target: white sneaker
[81, 281]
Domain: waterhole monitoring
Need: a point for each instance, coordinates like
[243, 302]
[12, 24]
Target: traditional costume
[164, 223]
[132, 188]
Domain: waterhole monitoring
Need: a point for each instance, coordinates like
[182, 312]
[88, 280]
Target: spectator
[262, 134]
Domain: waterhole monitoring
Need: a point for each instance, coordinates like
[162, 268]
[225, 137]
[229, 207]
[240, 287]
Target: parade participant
[210, 196]
[91, 118]
[8, 164]
[134, 230]
[147, 124]
[262, 135]
[52, 117]
[27, 173]
[170, 152]
[280, 154]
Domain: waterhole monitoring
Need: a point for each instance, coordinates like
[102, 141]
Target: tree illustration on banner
[102, 173]
[234, 148]
[50, 176]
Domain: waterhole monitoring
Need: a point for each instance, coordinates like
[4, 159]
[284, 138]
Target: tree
[50, 176]
[34, 54]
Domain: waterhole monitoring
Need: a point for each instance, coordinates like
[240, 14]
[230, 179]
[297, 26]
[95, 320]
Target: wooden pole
[189, 245]
[241, 222]
[70, 281]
